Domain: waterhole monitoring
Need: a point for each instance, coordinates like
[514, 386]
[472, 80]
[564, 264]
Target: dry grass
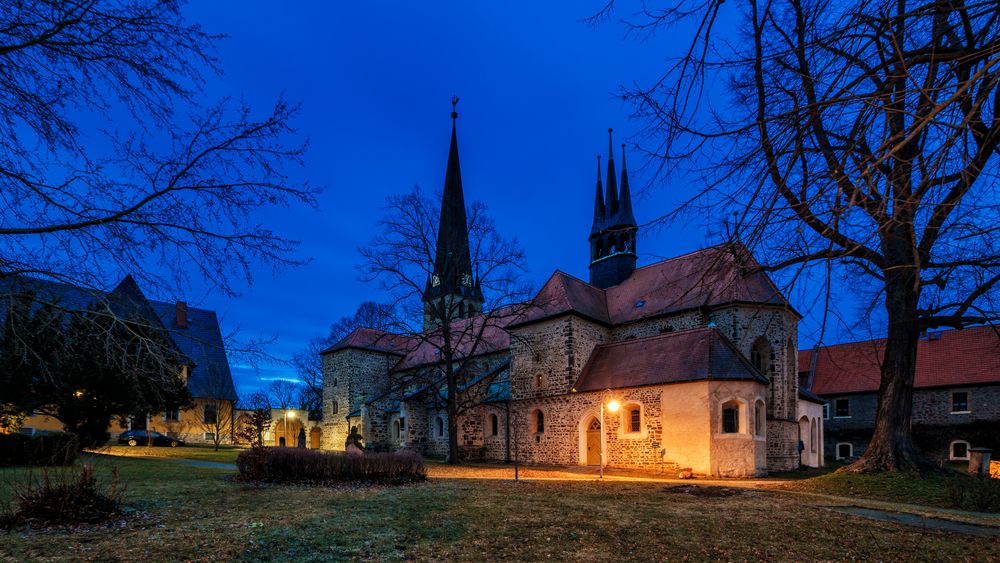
[196, 513]
[226, 454]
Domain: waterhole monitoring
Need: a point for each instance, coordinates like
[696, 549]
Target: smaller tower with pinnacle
[452, 291]
[613, 233]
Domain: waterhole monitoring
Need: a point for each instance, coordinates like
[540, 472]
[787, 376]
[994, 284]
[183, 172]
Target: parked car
[148, 438]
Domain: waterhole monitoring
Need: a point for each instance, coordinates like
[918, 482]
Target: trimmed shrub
[980, 494]
[298, 465]
[65, 499]
[50, 449]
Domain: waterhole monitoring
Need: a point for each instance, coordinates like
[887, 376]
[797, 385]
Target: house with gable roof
[956, 392]
[688, 363]
[195, 335]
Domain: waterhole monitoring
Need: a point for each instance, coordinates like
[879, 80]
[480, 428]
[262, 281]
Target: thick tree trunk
[891, 447]
[452, 419]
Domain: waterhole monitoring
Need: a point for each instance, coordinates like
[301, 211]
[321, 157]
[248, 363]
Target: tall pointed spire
[598, 201]
[453, 276]
[611, 200]
[625, 196]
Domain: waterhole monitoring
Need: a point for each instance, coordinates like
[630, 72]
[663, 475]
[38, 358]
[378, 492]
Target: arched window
[494, 425]
[333, 406]
[759, 417]
[632, 419]
[813, 435]
[731, 417]
[959, 449]
[539, 420]
[395, 429]
[539, 381]
[762, 356]
[440, 427]
[845, 450]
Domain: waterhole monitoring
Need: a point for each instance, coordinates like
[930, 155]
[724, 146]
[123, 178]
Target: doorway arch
[589, 430]
[315, 438]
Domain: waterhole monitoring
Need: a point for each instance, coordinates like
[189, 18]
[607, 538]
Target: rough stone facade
[351, 375]
[935, 426]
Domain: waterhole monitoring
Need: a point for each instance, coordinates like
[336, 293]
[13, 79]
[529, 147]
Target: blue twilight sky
[374, 79]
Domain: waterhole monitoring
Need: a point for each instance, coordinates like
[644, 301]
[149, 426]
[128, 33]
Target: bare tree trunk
[891, 446]
[452, 419]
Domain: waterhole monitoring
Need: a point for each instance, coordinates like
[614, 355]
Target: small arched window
[333, 406]
[494, 425]
[731, 417]
[759, 417]
[395, 429]
[539, 381]
[440, 427]
[845, 450]
[959, 449]
[539, 422]
[813, 435]
[762, 356]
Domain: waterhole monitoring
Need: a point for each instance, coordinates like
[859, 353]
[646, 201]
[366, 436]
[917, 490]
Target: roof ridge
[685, 255]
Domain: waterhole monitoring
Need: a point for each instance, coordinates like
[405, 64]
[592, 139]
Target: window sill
[961, 412]
[733, 436]
[958, 459]
[842, 417]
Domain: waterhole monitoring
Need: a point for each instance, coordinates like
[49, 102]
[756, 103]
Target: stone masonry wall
[546, 357]
[347, 375]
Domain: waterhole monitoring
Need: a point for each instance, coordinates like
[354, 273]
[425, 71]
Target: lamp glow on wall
[613, 406]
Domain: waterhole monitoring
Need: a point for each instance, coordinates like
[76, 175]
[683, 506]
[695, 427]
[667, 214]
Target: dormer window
[640, 304]
[435, 280]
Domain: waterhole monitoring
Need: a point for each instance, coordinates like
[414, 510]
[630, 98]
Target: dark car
[148, 438]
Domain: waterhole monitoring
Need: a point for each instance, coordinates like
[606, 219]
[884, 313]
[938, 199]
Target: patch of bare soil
[705, 492]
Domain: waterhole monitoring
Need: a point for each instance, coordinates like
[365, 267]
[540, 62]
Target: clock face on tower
[467, 280]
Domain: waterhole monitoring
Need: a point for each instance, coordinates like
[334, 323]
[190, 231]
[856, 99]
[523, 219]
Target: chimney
[181, 318]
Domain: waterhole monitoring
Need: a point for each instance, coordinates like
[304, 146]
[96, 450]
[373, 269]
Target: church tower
[613, 234]
[452, 291]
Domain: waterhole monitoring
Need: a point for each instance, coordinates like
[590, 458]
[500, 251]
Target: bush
[980, 494]
[297, 465]
[66, 499]
[50, 449]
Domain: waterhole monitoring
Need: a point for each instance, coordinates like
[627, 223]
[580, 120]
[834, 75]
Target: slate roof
[959, 357]
[704, 278]
[201, 342]
[675, 357]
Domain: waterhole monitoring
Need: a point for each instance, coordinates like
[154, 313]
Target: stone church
[687, 363]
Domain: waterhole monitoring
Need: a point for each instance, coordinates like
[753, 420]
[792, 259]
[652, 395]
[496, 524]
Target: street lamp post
[613, 407]
[288, 414]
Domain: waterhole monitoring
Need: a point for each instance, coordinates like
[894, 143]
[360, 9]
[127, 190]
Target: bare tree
[171, 195]
[309, 364]
[283, 393]
[401, 260]
[218, 410]
[848, 141]
[254, 423]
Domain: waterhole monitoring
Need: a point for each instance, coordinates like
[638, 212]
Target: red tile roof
[474, 336]
[960, 357]
[374, 340]
[704, 278]
[676, 357]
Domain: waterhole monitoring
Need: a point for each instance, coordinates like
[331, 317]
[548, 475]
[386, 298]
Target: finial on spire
[454, 107]
[623, 157]
[611, 154]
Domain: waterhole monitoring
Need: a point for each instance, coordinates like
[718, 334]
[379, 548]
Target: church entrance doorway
[314, 438]
[594, 442]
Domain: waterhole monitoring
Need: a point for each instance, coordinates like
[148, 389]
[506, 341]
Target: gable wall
[347, 374]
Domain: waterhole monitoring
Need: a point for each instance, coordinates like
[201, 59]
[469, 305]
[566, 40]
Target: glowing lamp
[291, 414]
[613, 405]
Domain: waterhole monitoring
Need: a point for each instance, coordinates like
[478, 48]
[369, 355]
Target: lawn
[188, 512]
[225, 454]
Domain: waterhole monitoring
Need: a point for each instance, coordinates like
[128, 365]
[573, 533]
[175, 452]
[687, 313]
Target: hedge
[298, 465]
[49, 449]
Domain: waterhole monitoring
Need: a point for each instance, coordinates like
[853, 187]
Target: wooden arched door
[594, 442]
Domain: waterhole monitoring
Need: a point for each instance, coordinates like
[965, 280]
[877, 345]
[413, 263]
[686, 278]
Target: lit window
[959, 449]
[960, 402]
[539, 380]
[843, 408]
[730, 419]
[634, 420]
